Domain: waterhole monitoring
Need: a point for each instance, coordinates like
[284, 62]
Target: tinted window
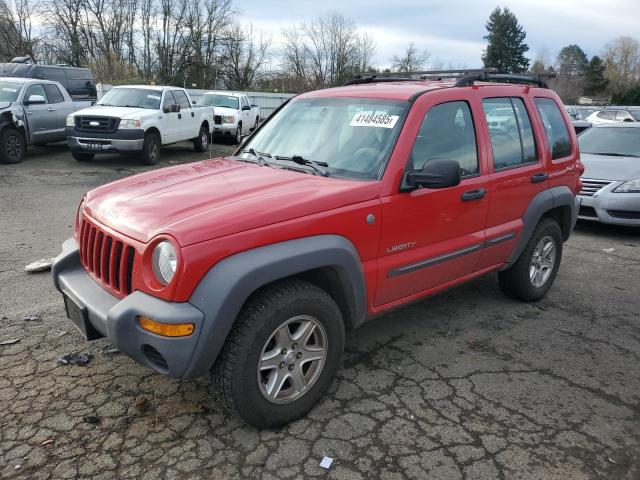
[554, 127]
[53, 92]
[35, 90]
[81, 88]
[611, 141]
[512, 140]
[447, 133]
[181, 98]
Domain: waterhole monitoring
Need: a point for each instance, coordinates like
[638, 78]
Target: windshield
[9, 91]
[226, 101]
[352, 136]
[131, 97]
[610, 140]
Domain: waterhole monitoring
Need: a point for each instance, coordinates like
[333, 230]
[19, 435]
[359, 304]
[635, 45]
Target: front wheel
[201, 142]
[151, 149]
[237, 137]
[82, 157]
[532, 275]
[281, 354]
[12, 146]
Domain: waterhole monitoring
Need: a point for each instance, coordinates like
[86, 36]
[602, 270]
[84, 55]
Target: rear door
[41, 118]
[433, 237]
[62, 108]
[518, 172]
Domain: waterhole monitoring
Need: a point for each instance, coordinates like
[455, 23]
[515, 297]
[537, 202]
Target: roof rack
[464, 77]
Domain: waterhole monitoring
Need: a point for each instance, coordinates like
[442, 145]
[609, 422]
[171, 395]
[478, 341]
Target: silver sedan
[611, 182]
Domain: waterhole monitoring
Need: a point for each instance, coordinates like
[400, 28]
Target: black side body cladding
[225, 288]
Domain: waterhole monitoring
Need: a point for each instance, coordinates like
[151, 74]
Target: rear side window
[53, 92]
[447, 133]
[554, 127]
[512, 140]
[181, 98]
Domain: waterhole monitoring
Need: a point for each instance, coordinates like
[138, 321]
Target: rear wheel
[237, 138]
[532, 275]
[281, 354]
[201, 142]
[82, 157]
[12, 146]
[151, 149]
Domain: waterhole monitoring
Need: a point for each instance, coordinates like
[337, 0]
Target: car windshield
[131, 97]
[9, 91]
[351, 137]
[226, 101]
[619, 141]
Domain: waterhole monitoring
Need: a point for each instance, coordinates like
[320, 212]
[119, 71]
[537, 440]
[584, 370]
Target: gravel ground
[466, 385]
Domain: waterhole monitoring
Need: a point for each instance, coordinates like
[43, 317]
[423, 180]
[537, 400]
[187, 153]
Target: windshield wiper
[259, 155]
[614, 154]
[300, 160]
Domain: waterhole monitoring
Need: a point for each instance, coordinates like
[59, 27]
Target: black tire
[201, 142]
[517, 281]
[237, 137]
[235, 374]
[13, 146]
[151, 149]
[83, 157]
[256, 124]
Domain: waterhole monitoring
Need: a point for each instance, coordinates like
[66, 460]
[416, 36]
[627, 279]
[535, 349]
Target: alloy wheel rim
[153, 150]
[542, 261]
[292, 359]
[205, 139]
[14, 147]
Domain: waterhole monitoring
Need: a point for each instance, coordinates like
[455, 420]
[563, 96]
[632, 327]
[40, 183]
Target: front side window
[447, 133]
[352, 136]
[35, 90]
[9, 91]
[512, 140]
[168, 100]
[131, 97]
[606, 115]
[554, 127]
[181, 98]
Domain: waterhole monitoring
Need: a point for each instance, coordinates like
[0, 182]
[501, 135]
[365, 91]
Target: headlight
[71, 121]
[129, 124]
[631, 186]
[165, 262]
[228, 119]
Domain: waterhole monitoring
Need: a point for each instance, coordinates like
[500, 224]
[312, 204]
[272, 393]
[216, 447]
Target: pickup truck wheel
[12, 146]
[151, 149]
[82, 157]
[532, 275]
[281, 354]
[237, 138]
[201, 142]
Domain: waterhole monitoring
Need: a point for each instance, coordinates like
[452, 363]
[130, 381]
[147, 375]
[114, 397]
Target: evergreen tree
[572, 61]
[506, 48]
[595, 81]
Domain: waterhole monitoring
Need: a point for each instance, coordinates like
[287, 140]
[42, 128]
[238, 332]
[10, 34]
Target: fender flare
[543, 202]
[225, 288]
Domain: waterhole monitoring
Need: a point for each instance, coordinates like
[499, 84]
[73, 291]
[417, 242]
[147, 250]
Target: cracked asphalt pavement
[465, 385]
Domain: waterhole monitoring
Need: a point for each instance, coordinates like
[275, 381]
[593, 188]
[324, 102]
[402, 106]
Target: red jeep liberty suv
[345, 203]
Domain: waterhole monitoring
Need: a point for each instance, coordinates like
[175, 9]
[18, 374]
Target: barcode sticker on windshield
[374, 119]
[153, 97]
[10, 90]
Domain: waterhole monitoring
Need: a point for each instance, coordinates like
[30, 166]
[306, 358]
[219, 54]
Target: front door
[433, 237]
[187, 113]
[42, 118]
[169, 121]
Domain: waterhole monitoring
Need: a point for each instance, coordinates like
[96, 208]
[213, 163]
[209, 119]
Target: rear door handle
[179, 116]
[539, 177]
[473, 194]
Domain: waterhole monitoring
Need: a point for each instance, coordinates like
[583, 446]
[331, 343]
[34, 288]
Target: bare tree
[412, 60]
[244, 55]
[16, 29]
[622, 63]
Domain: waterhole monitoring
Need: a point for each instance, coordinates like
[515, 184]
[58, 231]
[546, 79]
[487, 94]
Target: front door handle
[539, 177]
[179, 116]
[193, 114]
[476, 194]
[51, 109]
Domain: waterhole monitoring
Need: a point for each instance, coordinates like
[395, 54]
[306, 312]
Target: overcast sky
[452, 30]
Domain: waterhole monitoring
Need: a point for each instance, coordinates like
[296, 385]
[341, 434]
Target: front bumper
[224, 130]
[611, 208]
[95, 142]
[117, 319]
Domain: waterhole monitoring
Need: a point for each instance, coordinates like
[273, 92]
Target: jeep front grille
[97, 124]
[108, 258]
[591, 186]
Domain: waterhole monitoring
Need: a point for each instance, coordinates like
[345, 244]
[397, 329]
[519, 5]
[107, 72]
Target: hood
[214, 198]
[116, 112]
[4, 105]
[225, 111]
[604, 167]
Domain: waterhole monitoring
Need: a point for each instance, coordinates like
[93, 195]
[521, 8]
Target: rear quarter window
[555, 128]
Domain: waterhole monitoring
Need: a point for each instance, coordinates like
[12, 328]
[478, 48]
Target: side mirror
[628, 120]
[35, 100]
[435, 174]
[246, 107]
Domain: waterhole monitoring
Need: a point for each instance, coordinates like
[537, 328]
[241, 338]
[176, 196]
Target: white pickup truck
[139, 119]
[235, 116]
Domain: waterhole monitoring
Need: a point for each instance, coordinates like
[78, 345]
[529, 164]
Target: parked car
[344, 204]
[611, 182]
[139, 119]
[235, 116]
[578, 112]
[32, 112]
[78, 82]
[580, 125]
[613, 115]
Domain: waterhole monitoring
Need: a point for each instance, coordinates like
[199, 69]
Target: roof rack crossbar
[538, 80]
[368, 77]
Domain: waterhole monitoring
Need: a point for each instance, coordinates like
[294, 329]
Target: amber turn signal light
[166, 329]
